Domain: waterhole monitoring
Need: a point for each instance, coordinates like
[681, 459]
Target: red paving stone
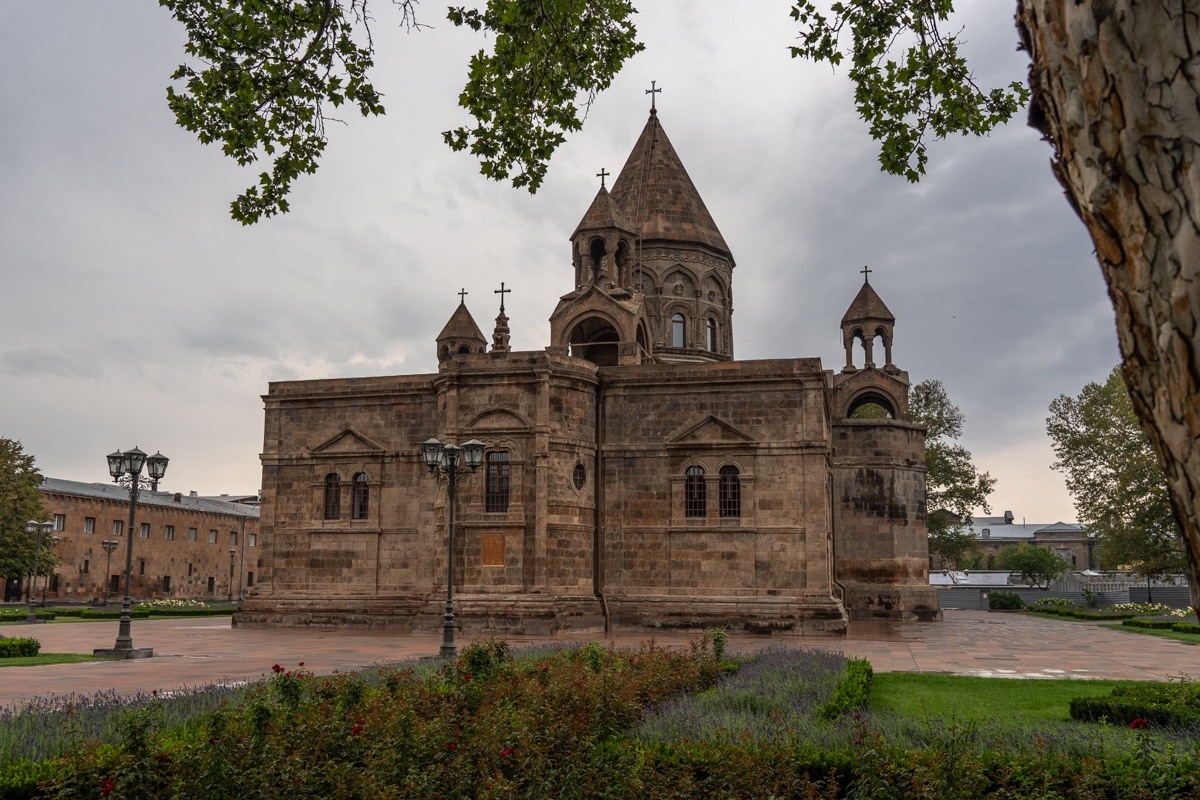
[195, 651]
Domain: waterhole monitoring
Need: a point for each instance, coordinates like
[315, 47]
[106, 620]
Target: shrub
[1169, 705]
[69, 612]
[93, 613]
[853, 692]
[16, 614]
[19, 648]
[1005, 600]
[1186, 627]
[1161, 624]
[19, 781]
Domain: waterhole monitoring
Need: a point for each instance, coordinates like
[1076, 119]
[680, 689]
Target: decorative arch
[873, 395]
[498, 415]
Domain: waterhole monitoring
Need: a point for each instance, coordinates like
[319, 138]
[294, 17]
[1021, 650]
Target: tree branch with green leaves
[266, 77]
[550, 59]
[927, 90]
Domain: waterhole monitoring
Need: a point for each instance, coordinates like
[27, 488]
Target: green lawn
[1190, 638]
[47, 658]
[970, 698]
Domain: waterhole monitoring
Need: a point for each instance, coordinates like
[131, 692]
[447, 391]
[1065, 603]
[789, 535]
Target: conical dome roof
[603, 213]
[461, 326]
[654, 190]
[867, 305]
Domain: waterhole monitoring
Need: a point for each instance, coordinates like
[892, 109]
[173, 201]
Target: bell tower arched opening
[595, 339]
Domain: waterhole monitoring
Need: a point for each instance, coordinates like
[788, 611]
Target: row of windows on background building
[118, 529]
[679, 331]
[114, 580]
[729, 488]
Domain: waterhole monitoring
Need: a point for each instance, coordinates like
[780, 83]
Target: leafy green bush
[19, 648]
[19, 781]
[1186, 627]
[1166, 704]
[853, 693]
[69, 612]
[1081, 614]
[1005, 600]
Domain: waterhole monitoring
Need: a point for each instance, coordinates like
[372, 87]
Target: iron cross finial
[652, 91]
[602, 175]
[866, 273]
[502, 291]
[462, 296]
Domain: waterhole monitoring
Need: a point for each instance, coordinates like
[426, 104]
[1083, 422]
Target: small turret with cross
[500, 335]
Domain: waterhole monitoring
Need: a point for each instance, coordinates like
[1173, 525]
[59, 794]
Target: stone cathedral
[636, 474]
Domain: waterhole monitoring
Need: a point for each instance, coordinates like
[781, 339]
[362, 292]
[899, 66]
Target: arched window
[695, 494]
[333, 496]
[496, 495]
[731, 492]
[712, 335]
[579, 477]
[464, 349]
[677, 330]
[362, 497]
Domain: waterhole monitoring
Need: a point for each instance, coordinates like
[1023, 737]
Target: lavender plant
[46, 727]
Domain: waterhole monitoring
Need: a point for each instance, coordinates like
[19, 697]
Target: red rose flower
[1138, 724]
[360, 720]
[160, 758]
[466, 677]
[213, 741]
[302, 663]
[277, 669]
[107, 786]
[356, 730]
[506, 753]
[452, 747]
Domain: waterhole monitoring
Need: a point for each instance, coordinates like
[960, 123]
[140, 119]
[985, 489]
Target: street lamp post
[126, 469]
[232, 553]
[108, 546]
[34, 527]
[449, 460]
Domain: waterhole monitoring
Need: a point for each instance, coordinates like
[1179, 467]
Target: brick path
[193, 651]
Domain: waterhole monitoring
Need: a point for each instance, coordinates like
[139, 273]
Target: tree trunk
[1116, 85]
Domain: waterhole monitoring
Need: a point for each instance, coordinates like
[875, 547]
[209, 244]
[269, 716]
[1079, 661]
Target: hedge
[853, 692]
[187, 612]
[1007, 601]
[1067, 612]
[19, 648]
[1165, 704]
[10, 614]
[1186, 627]
[93, 613]
[1159, 624]
[19, 781]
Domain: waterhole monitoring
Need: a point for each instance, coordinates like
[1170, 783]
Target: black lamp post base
[123, 652]
[35, 622]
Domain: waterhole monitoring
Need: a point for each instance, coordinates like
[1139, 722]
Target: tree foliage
[927, 90]
[1115, 478]
[266, 77]
[952, 483]
[550, 59]
[1037, 566]
[20, 501]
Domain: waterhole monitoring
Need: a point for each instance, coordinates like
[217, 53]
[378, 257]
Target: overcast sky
[136, 312]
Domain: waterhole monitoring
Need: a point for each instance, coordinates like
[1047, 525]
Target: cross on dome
[652, 91]
[462, 296]
[602, 174]
[866, 274]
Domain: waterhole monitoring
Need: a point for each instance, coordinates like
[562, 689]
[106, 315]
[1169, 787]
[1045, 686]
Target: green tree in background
[20, 501]
[952, 483]
[1037, 566]
[1116, 479]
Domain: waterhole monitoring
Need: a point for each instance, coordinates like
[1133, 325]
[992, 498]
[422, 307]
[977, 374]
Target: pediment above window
[348, 441]
[707, 432]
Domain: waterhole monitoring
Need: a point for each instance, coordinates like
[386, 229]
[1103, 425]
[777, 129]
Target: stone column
[541, 467]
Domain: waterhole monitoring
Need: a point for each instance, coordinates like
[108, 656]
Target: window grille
[496, 498]
[695, 493]
[677, 330]
[362, 496]
[731, 492]
[579, 477]
[333, 496]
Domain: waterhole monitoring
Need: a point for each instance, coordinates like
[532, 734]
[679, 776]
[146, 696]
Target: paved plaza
[202, 650]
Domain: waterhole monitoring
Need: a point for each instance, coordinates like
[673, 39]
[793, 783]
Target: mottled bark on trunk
[1116, 91]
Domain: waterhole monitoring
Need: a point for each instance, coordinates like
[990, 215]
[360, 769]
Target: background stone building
[181, 548]
[1069, 541]
[636, 475]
